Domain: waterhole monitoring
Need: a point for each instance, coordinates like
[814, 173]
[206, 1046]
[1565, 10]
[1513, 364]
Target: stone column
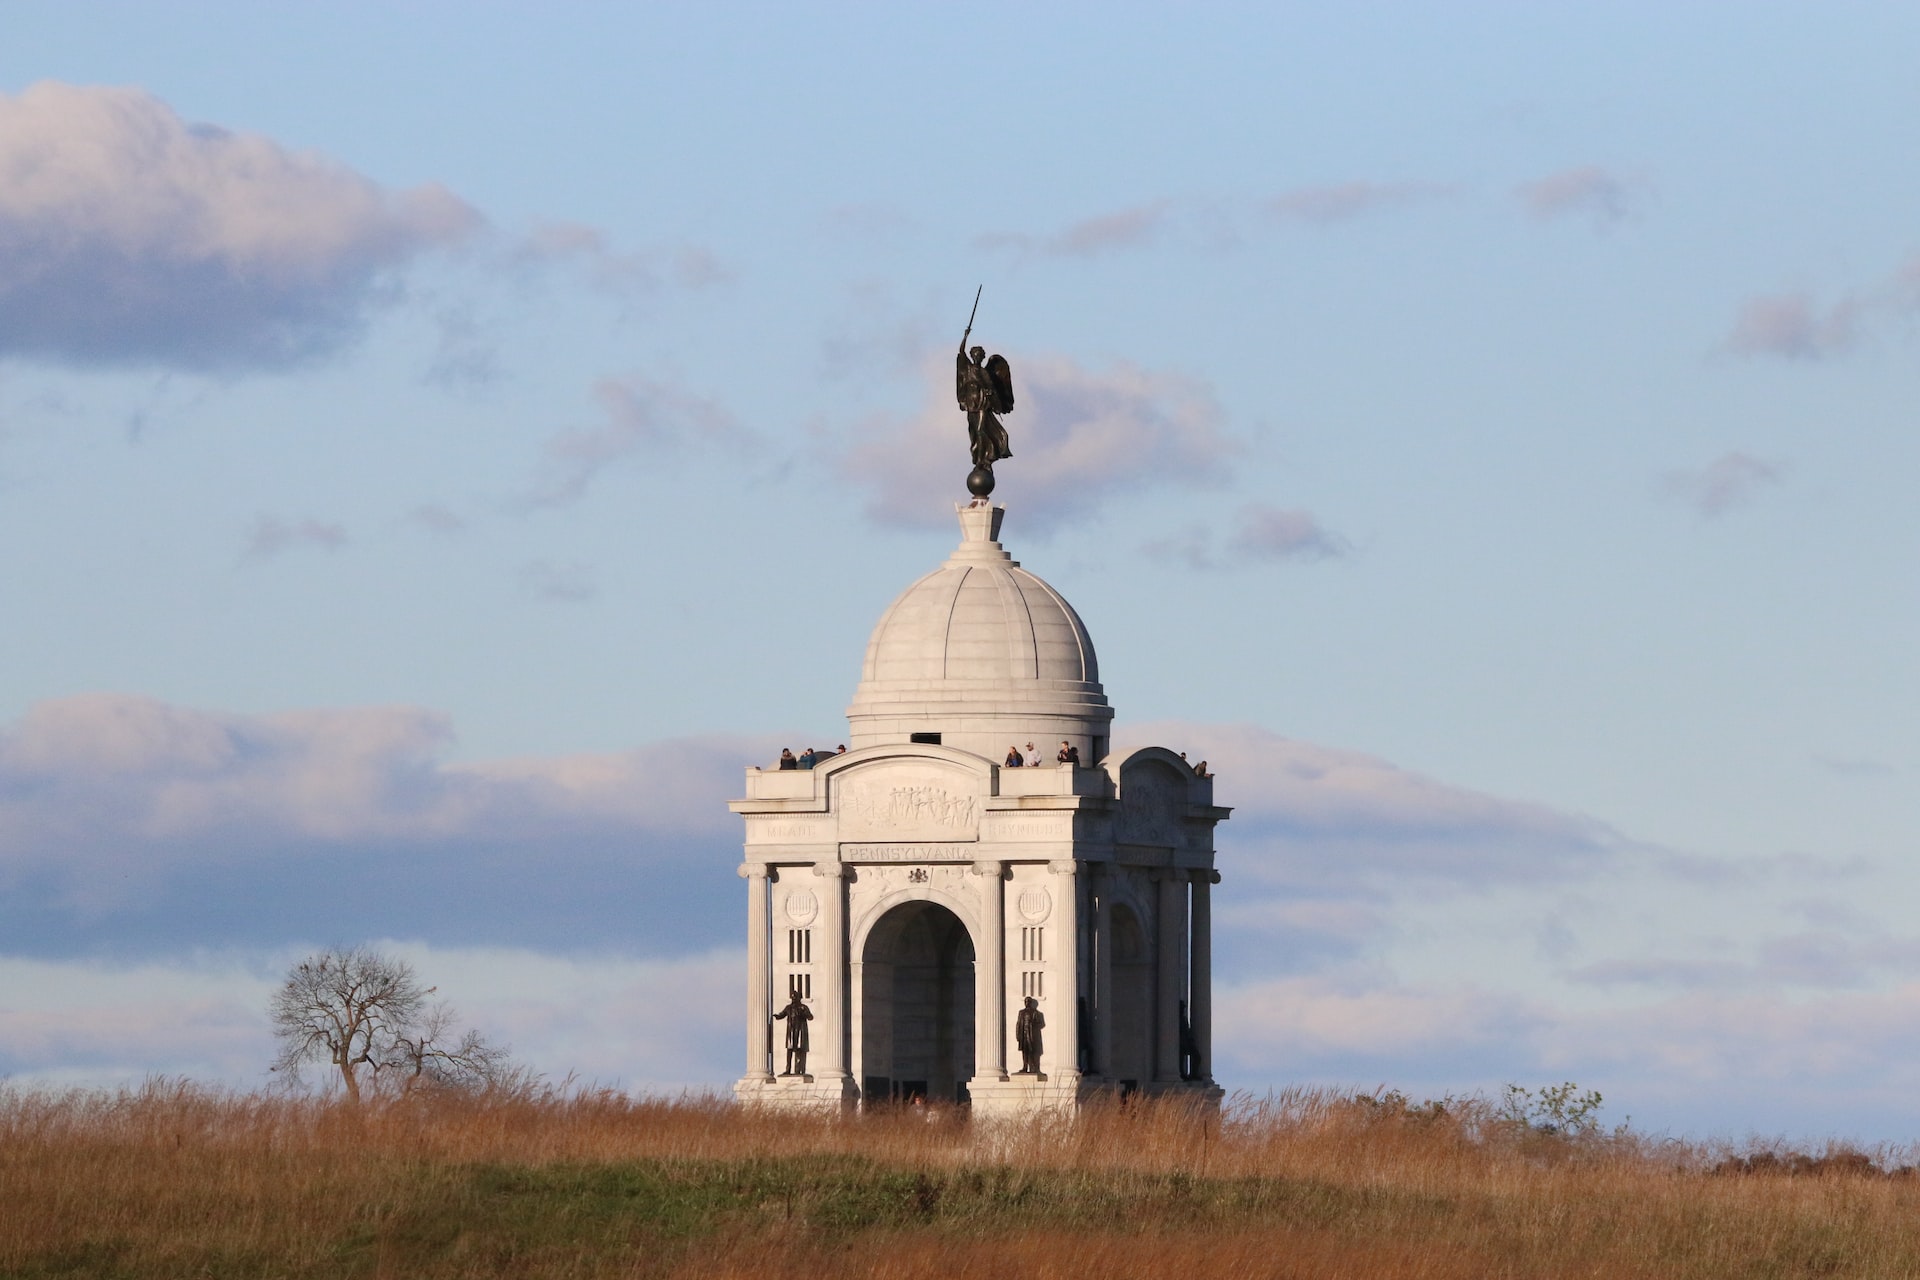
[1201, 1001]
[759, 1016]
[1170, 939]
[1060, 1058]
[990, 975]
[1103, 885]
[830, 973]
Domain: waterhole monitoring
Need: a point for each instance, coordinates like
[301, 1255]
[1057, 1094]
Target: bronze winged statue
[984, 385]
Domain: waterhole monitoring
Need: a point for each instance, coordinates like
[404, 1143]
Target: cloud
[129, 821]
[128, 235]
[1346, 201]
[866, 223]
[1853, 766]
[1324, 818]
[271, 536]
[1727, 482]
[1216, 223]
[565, 583]
[1105, 233]
[1319, 1017]
[464, 355]
[873, 330]
[1080, 436]
[1827, 958]
[641, 416]
[612, 1019]
[1796, 326]
[612, 270]
[160, 867]
[436, 518]
[1589, 191]
[1327, 820]
[1793, 327]
[1262, 534]
[1709, 1064]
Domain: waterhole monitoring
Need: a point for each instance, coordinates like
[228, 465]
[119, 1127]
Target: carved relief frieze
[907, 802]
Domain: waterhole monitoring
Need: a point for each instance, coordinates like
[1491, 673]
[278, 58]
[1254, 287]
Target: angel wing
[1000, 373]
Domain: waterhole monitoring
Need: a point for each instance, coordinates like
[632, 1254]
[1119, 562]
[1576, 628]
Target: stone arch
[862, 927]
[916, 1000]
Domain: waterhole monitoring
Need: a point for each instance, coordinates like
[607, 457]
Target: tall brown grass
[173, 1179]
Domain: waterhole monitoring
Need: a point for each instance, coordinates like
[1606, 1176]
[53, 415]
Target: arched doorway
[916, 1006]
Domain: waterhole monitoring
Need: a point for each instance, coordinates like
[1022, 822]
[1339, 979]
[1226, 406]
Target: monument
[930, 906]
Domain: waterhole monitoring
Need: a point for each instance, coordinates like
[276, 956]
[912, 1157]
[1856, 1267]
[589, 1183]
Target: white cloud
[130, 235]
[619, 1020]
[1080, 436]
[271, 535]
[1125, 229]
[617, 271]
[1792, 326]
[1346, 201]
[129, 783]
[1599, 194]
[436, 518]
[565, 583]
[1312, 816]
[1261, 533]
[641, 417]
[1375, 925]
[1323, 1017]
[1727, 482]
[1704, 1063]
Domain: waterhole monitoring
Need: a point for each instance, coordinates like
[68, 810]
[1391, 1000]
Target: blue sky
[438, 447]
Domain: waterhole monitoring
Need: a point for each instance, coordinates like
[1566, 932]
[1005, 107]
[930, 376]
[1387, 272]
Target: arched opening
[916, 1033]
[1132, 1001]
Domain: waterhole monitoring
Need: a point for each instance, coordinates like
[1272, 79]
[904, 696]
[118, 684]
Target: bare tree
[365, 1014]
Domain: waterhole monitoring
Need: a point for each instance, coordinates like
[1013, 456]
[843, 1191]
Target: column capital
[1063, 866]
[989, 867]
[1204, 875]
[748, 869]
[831, 870]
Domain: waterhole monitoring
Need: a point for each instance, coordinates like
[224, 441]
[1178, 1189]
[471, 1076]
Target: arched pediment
[1155, 791]
[932, 794]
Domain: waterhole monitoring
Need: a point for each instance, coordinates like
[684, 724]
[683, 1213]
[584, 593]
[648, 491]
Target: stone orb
[980, 481]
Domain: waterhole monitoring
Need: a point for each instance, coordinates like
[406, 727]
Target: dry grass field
[176, 1180]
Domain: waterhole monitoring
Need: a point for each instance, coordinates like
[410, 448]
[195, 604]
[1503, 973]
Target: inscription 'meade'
[906, 853]
[791, 831]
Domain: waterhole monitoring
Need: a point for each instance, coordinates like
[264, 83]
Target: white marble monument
[915, 891]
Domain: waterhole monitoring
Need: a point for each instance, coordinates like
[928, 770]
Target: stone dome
[984, 654]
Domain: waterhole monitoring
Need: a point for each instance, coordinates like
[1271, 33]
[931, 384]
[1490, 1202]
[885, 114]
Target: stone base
[797, 1093]
[1064, 1092]
[1204, 1092]
[1056, 1092]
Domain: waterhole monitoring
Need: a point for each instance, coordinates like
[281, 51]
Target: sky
[441, 446]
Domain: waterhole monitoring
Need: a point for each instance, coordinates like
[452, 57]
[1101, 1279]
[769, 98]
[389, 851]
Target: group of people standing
[808, 758]
[1068, 754]
[1016, 759]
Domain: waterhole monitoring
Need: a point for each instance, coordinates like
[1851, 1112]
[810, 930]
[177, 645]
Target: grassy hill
[174, 1180]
